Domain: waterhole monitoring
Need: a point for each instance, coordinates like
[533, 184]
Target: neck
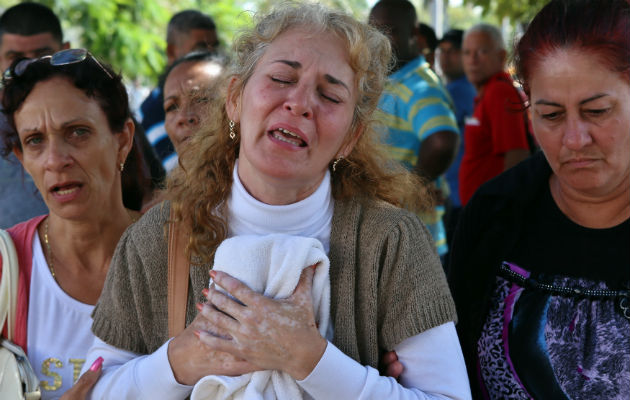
[275, 190]
[479, 86]
[87, 243]
[596, 212]
[451, 78]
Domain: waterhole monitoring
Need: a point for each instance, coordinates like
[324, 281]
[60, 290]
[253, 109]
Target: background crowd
[476, 220]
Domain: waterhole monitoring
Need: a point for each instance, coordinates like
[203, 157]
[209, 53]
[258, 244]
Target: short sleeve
[132, 311]
[412, 285]
[430, 112]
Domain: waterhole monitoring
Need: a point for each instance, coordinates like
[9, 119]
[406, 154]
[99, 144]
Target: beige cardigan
[387, 283]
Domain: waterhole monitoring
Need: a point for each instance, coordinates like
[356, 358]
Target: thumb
[85, 383]
[305, 284]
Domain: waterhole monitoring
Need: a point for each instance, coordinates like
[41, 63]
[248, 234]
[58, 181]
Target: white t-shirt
[59, 333]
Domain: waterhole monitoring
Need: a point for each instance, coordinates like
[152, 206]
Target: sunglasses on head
[63, 57]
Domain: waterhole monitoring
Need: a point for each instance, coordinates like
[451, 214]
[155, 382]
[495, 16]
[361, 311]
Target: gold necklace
[51, 266]
[48, 251]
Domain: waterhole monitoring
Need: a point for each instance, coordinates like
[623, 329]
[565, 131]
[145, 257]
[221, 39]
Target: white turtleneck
[311, 217]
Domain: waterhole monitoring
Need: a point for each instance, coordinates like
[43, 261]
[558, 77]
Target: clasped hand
[251, 333]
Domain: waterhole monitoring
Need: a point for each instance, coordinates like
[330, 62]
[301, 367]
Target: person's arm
[437, 152]
[433, 368]
[433, 359]
[127, 375]
[436, 127]
[125, 318]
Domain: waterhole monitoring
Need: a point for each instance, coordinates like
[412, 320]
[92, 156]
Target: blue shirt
[152, 110]
[19, 198]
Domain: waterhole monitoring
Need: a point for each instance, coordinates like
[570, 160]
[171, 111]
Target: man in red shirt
[495, 136]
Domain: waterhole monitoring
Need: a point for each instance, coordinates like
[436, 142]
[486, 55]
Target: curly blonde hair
[199, 188]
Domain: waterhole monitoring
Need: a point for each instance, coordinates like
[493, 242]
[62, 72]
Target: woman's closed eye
[330, 98]
[281, 80]
[597, 112]
[551, 116]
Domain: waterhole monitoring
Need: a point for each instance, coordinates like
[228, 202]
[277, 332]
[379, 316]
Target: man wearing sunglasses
[26, 30]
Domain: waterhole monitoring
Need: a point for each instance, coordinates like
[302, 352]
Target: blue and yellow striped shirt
[414, 105]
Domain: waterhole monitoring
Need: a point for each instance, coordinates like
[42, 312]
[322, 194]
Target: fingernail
[97, 364]
[213, 274]
[205, 292]
[199, 306]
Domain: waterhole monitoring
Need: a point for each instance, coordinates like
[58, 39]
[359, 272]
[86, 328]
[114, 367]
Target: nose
[188, 117]
[576, 135]
[299, 103]
[57, 156]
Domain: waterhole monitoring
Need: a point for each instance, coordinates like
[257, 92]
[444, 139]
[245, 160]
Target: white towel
[271, 265]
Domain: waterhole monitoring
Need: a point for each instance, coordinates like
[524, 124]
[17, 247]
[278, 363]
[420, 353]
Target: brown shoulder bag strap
[178, 276]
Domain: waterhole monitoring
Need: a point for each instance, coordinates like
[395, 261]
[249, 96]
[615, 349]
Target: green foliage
[130, 34]
[517, 10]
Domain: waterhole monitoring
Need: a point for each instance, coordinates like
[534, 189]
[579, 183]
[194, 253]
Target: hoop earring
[334, 164]
[122, 166]
[232, 133]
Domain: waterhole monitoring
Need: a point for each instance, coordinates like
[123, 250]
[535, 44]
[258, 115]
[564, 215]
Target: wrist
[171, 353]
[309, 360]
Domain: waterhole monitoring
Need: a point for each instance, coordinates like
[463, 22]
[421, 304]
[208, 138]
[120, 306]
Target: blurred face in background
[13, 46]
[450, 59]
[186, 92]
[482, 58]
[398, 28]
[193, 40]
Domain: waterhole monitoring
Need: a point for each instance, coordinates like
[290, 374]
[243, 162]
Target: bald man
[495, 137]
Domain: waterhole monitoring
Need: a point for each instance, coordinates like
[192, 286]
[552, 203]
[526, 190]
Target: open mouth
[285, 135]
[66, 189]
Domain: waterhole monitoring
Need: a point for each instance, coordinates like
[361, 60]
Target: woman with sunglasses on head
[72, 131]
[291, 149]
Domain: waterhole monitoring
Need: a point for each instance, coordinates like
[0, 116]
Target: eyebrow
[551, 103]
[63, 126]
[41, 50]
[329, 78]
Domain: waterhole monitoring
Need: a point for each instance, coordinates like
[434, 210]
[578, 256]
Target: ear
[170, 53]
[125, 140]
[233, 99]
[65, 45]
[353, 138]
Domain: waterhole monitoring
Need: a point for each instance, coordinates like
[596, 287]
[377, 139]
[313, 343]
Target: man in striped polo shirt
[422, 130]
